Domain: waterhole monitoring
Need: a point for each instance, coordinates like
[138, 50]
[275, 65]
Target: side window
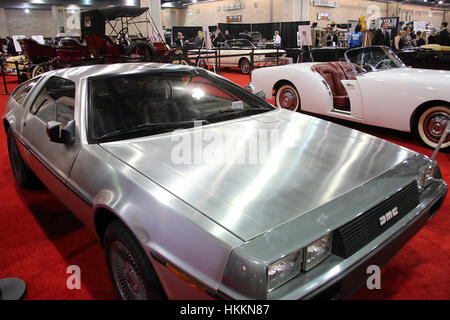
[22, 91]
[55, 101]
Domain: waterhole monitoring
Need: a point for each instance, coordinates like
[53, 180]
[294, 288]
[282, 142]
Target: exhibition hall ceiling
[46, 4]
[438, 4]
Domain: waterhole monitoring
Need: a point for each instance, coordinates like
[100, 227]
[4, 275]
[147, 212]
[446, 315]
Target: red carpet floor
[39, 239]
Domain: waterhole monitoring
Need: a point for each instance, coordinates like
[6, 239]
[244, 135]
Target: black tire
[287, 97]
[25, 178]
[127, 261]
[142, 49]
[245, 66]
[430, 124]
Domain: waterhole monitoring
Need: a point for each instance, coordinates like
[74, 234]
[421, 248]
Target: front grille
[360, 231]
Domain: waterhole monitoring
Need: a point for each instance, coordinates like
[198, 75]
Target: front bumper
[357, 275]
[337, 276]
[347, 280]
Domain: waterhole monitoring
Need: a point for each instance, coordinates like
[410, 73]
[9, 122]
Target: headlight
[304, 259]
[316, 252]
[284, 270]
[426, 175]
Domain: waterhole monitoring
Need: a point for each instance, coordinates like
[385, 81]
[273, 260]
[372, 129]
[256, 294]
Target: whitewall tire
[431, 125]
[287, 98]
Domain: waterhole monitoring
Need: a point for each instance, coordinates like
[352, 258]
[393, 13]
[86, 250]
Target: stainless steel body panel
[309, 227]
[315, 162]
[208, 220]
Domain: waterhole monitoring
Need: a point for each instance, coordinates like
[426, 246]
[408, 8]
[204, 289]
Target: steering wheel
[368, 67]
[383, 64]
[121, 36]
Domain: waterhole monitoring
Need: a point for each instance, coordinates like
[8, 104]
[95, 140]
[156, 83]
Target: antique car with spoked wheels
[117, 45]
[99, 48]
[159, 161]
[372, 86]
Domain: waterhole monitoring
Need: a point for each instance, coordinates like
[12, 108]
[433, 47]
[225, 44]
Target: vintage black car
[430, 56]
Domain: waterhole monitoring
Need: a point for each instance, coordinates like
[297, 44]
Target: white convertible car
[372, 86]
[238, 52]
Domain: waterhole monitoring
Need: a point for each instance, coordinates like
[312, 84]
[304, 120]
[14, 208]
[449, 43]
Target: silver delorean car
[111, 143]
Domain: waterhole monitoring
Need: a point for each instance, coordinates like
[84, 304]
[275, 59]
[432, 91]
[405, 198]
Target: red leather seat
[349, 73]
[333, 74]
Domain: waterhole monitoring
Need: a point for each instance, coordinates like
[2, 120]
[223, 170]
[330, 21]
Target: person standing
[336, 38]
[329, 37]
[53, 42]
[199, 39]
[356, 37]
[382, 36]
[399, 42]
[277, 39]
[179, 41]
[10, 48]
[422, 40]
[432, 39]
[227, 35]
[443, 35]
[407, 39]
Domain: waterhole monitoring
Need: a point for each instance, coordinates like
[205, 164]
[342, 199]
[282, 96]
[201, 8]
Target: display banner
[304, 37]
[39, 39]
[392, 22]
[420, 26]
[16, 43]
[207, 38]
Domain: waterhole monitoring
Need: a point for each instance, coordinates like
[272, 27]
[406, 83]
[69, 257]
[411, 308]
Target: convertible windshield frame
[246, 96]
[365, 51]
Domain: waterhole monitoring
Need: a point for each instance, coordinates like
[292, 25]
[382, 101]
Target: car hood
[308, 163]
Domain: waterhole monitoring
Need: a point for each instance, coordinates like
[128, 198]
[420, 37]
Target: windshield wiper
[154, 128]
[228, 110]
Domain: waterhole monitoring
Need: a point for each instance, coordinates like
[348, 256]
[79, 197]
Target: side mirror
[260, 94]
[65, 135]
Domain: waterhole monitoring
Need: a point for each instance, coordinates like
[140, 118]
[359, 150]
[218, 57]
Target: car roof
[77, 73]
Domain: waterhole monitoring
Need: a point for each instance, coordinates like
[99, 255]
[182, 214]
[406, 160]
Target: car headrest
[158, 89]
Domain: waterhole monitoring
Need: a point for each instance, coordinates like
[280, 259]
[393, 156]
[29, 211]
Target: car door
[50, 161]
[226, 50]
[354, 94]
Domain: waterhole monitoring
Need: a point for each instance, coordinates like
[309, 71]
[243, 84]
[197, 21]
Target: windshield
[371, 59]
[146, 103]
[240, 43]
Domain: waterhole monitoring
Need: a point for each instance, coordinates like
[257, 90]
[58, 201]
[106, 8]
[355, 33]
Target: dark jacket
[10, 49]
[421, 42]
[443, 38]
[381, 40]
[179, 42]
